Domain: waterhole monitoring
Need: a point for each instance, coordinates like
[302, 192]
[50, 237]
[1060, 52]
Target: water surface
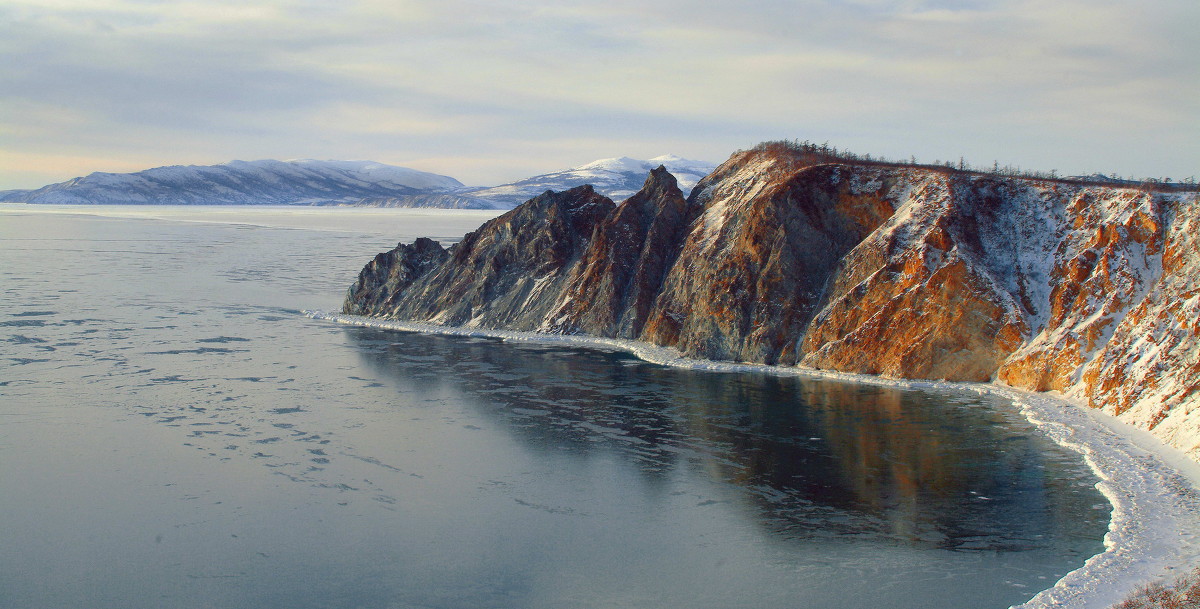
[174, 433]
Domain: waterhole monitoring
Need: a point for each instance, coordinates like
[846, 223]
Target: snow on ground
[1154, 489]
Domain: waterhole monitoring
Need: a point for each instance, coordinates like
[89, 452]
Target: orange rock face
[753, 268]
[1148, 371]
[789, 258]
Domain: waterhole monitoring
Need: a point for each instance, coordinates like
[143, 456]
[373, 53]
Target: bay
[174, 432]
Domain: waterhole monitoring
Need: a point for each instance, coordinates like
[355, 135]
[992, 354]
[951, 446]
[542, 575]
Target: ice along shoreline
[1154, 531]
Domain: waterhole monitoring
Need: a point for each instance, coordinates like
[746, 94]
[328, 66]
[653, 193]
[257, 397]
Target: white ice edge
[1154, 489]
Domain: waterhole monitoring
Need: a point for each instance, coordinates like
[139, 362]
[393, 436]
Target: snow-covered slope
[293, 182]
[358, 183]
[617, 179]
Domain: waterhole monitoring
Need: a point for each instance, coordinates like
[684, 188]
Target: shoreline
[1154, 531]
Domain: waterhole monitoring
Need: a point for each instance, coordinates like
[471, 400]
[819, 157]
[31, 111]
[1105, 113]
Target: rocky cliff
[786, 257]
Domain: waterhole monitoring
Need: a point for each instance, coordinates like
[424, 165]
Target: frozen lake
[175, 433]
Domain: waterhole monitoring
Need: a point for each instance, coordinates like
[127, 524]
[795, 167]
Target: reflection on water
[813, 458]
[178, 435]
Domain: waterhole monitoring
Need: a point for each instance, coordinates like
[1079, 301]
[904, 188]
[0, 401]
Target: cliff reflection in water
[805, 458]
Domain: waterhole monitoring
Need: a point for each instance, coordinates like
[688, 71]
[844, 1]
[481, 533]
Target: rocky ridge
[785, 257]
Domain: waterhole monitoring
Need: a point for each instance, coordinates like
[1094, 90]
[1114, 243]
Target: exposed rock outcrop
[790, 258]
[387, 277]
[611, 289]
[500, 276]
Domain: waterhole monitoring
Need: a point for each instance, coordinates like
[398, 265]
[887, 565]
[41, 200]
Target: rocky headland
[787, 256]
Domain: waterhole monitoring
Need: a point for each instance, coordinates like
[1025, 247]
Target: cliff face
[903, 271]
[504, 275]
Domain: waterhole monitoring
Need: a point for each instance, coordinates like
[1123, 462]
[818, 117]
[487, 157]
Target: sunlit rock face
[754, 265]
[791, 258]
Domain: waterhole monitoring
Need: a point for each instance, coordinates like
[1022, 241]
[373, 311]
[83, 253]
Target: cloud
[1067, 84]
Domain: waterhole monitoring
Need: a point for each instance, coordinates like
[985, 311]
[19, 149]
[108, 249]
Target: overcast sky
[488, 92]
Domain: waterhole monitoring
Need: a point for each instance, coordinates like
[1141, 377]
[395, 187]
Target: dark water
[174, 433]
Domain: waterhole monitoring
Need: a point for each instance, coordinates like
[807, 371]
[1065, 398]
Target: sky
[490, 92]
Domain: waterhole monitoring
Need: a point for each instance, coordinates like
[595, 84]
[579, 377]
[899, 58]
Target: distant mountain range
[356, 183]
[269, 182]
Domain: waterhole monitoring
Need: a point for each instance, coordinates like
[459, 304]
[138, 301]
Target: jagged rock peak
[612, 287]
[660, 180]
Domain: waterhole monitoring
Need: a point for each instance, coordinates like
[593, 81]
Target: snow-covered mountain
[617, 179]
[358, 183]
[270, 182]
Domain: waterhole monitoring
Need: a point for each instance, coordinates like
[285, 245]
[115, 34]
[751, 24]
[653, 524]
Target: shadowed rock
[385, 278]
[612, 288]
